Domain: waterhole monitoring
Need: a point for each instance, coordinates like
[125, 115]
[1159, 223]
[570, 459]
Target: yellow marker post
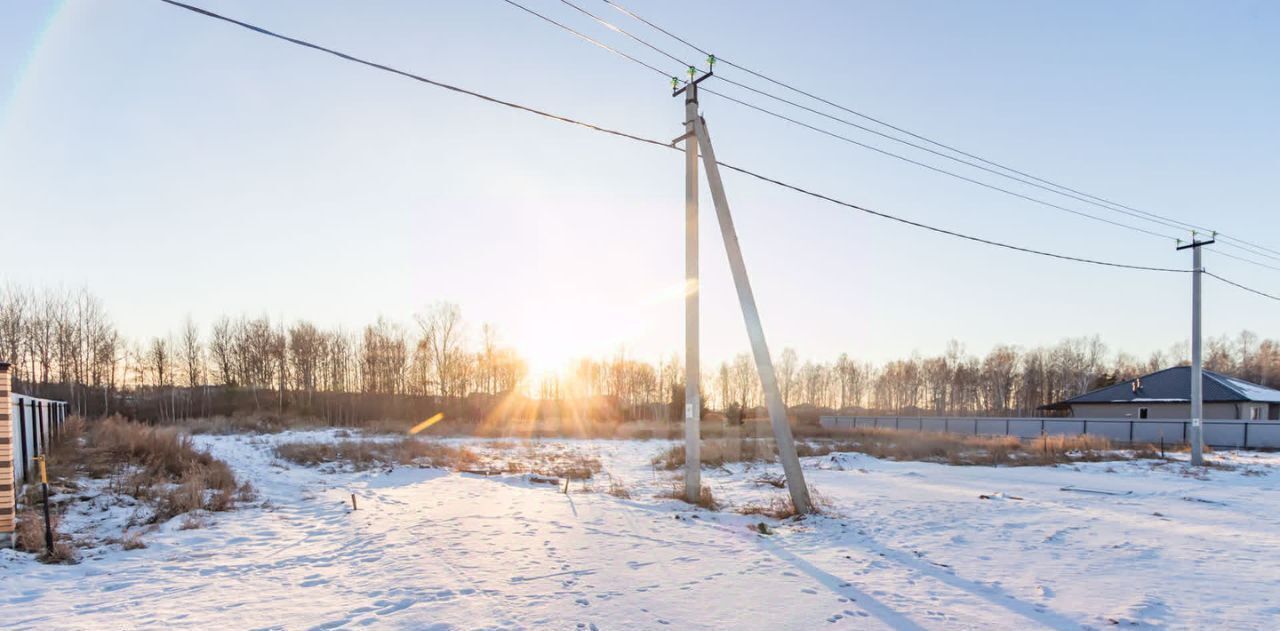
[427, 423]
[44, 488]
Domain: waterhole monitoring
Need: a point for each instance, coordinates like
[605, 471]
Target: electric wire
[408, 75]
[1239, 286]
[648, 141]
[937, 169]
[1249, 261]
[682, 62]
[942, 230]
[618, 29]
[586, 38]
[831, 133]
[864, 128]
[1252, 248]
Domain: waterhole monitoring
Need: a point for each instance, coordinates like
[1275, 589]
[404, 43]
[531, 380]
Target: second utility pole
[1196, 435]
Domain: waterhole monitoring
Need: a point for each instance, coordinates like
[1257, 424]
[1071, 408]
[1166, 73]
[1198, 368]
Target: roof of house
[1173, 385]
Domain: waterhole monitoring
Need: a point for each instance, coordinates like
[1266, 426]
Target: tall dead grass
[159, 465]
[369, 454]
[29, 537]
[246, 424]
[781, 506]
[706, 499]
[719, 452]
[918, 446]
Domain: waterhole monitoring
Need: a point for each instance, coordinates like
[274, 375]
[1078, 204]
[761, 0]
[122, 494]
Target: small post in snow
[353, 501]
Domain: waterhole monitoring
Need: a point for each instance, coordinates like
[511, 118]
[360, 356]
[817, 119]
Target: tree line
[63, 344]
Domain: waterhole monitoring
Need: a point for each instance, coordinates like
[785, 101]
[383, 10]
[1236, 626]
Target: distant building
[1167, 395]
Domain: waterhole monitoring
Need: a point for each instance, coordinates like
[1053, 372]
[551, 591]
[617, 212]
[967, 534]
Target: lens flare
[427, 423]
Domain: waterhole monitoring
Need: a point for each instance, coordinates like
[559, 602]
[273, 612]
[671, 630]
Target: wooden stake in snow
[353, 501]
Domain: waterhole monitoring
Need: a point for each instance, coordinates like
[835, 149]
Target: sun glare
[558, 336]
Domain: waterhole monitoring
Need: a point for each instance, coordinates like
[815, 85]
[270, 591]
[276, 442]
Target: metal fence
[1237, 434]
[36, 424]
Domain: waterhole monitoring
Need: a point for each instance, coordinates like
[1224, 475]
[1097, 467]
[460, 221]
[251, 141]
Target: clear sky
[177, 165]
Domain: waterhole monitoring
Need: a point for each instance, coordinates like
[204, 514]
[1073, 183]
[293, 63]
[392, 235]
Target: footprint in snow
[394, 607]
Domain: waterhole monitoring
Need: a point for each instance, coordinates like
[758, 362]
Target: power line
[936, 169]
[943, 230]
[1238, 285]
[618, 29]
[652, 142]
[1242, 244]
[409, 75]
[656, 27]
[1250, 261]
[877, 132]
[585, 37]
[651, 46]
[831, 133]
[1167, 224]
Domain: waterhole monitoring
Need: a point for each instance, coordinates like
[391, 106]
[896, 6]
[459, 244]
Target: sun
[553, 335]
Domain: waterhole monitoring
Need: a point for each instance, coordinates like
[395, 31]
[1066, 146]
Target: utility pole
[1197, 370]
[692, 368]
[697, 139]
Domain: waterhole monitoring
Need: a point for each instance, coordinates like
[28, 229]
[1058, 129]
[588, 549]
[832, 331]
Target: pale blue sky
[179, 165]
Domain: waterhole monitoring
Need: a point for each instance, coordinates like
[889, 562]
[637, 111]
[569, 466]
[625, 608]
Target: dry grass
[780, 506]
[387, 426]
[369, 454]
[775, 480]
[29, 536]
[132, 542]
[919, 446]
[193, 521]
[618, 489]
[544, 459]
[719, 452]
[246, 424]
[159, 466]
[676, 492]
[574, 466]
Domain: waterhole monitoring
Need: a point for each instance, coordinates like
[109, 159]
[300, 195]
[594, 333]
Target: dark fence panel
[36, 425]
[1235, 434]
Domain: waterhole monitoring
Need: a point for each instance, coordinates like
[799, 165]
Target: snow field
[909, 546]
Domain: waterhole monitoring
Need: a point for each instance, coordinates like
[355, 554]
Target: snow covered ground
[912, 546]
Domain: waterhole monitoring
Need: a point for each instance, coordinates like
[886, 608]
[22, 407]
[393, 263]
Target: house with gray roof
[1166, 394]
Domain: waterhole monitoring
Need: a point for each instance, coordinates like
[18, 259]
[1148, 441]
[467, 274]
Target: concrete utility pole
[755, 330]
[1197, 370]
[692, 367]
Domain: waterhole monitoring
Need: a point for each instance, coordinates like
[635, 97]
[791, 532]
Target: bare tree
[15, 311]
[787, 366]
[441, 327]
